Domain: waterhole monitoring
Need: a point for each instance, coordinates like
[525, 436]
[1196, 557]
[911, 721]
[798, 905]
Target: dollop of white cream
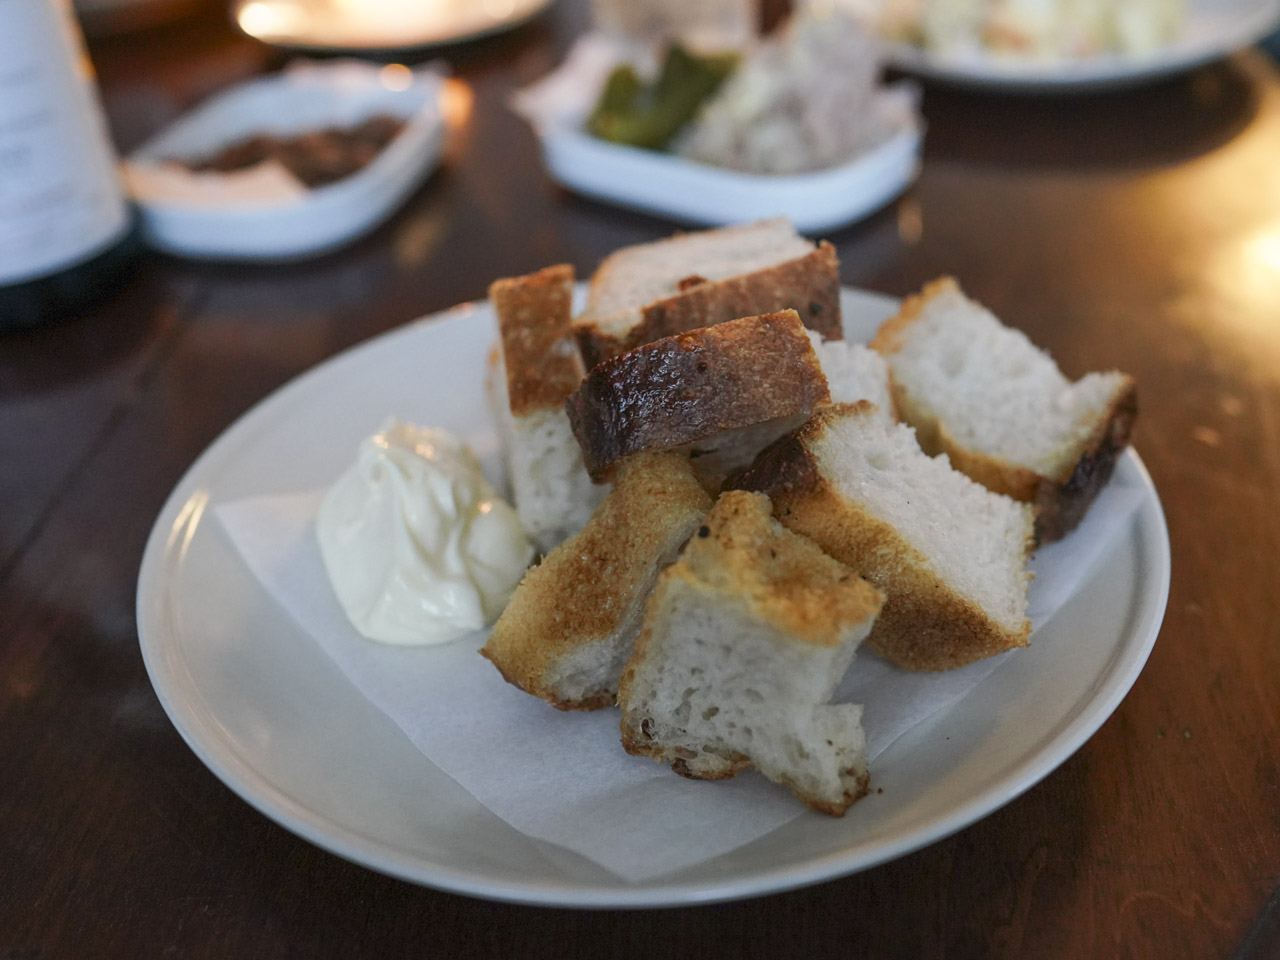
[419, 547]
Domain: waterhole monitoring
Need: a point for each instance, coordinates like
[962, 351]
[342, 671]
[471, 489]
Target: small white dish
[558, 104]
[1212, 29]
[378, 24]
[186, 218]
[700, 194]
[264, 707]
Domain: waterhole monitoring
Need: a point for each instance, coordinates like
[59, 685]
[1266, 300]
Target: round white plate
[1213, 29]
[378, 24]
[269, 713]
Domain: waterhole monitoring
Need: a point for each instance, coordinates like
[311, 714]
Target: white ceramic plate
[1213, 29]
[378, 24]
[284, 224]
[269, 713]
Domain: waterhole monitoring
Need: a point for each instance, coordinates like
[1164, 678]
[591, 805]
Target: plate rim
[497, 26]
[1083, 75]
[215, 751]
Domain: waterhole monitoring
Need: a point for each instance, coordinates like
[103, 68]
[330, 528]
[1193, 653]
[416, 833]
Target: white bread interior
[553, 495]
[949, 554]
[999, 406]
[854, 372]
[745, 639]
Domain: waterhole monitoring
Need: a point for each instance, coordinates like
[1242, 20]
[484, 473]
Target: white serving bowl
[291, 223]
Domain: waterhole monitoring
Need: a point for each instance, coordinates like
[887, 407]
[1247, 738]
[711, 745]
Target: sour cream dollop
[419, 547]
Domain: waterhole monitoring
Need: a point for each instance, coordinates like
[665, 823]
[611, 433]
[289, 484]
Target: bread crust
[924, 624]
[1061, 500]
[810, 285]
[535, 328]
[584, 590]
[692, 387]
[1061, 505]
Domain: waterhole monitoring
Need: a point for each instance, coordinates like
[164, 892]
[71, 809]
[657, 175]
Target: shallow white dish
[1213, 29]
[270, 714]
[306, 96]
[559, 103]
[378, 24]
[698, 193]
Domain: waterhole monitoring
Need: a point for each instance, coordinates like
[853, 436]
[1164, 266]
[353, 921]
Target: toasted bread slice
[744, 642]
[535, 367]
[571, 623]
[643, 293]
[999, 407]
[720, 393]
[949, 554]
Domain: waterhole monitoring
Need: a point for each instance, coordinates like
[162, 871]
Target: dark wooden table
[1139, 229]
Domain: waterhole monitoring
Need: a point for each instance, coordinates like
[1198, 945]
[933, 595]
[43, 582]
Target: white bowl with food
[265, 211]
[802, 129]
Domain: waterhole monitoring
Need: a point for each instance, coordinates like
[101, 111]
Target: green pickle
[649, 116]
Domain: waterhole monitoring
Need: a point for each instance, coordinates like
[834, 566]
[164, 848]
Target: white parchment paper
[564, 777]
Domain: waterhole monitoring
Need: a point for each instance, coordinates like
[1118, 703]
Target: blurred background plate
[378, 24]
[1213, 29]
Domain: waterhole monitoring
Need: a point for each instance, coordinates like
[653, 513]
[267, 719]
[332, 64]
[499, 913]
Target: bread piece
[535, 367]
[744, 641]
[721, 393]
[571, 623]
[854, 372]
[949, 554]
[1001, 410]
[643, 293]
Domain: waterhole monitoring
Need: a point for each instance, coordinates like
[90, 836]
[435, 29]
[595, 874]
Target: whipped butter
[418, 546]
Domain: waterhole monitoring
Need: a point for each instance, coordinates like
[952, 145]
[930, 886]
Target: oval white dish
[247, 218]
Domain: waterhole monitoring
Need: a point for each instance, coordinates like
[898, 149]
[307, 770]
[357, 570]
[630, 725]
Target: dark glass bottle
[68, 236]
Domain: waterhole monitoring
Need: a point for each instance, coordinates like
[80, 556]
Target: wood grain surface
[1137, 229]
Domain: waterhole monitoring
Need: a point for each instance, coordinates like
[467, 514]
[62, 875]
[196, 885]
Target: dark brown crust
[810, 285]
[783, 467]
[535, 325]
[1060, 502]
[694, 386]
[924, 624]
[1061, 506]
